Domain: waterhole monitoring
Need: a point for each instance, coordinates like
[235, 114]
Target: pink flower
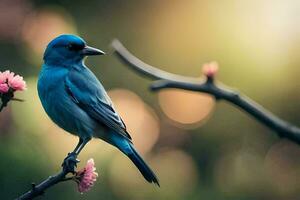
[5, 76]
[4, 88]
[86, 177]
[210, 69]
[17, 83]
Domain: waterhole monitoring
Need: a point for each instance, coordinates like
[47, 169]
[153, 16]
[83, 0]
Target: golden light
[41, 27]
[173, 21]
[141, 121]
[186, 107]
[175, 169]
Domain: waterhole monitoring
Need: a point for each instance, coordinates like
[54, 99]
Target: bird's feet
[70, 162]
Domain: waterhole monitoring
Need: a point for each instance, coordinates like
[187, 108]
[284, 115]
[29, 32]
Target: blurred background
[199, 149]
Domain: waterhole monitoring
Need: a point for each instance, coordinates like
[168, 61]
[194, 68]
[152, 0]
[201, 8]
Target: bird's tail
[124, 145]
[142, 166]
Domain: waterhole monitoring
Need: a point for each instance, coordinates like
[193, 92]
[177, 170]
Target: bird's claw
[70, 162]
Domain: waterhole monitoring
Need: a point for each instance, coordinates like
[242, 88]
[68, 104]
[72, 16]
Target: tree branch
[219, 91]
[40, 189]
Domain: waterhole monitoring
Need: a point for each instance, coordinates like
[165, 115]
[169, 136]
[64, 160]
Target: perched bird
[77, 102]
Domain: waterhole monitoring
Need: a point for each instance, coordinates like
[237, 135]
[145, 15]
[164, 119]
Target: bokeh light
[140, 119]
[186, 107]
[42, 26]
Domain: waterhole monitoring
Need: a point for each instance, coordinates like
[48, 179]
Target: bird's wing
[88, 93]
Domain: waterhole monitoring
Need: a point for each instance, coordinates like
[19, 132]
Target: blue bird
[77, 102]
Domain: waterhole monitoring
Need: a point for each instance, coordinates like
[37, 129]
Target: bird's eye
[71, 47]
[74, 47]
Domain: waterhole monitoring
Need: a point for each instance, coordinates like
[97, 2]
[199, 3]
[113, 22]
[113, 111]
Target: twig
[40, 189]
[219, 91]
[17, 99]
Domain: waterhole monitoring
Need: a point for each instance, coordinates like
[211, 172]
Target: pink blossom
[17, 83]
[5, 76]
[210, 69]
[86, 177]
[4, 88]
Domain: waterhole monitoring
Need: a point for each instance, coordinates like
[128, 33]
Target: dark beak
[91, 51]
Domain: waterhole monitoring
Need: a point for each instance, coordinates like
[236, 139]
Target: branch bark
[165, 79]
[38, 190]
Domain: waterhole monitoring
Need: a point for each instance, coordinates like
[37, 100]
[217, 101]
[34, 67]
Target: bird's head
[68, 49]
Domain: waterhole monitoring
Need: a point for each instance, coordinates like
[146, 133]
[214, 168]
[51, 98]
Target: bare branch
[219, 91]
[145, 69]
[40, 189]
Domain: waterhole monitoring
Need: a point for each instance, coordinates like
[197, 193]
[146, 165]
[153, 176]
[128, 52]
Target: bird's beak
[91, 51]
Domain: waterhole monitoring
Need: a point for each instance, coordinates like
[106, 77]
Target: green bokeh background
[230, 156]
